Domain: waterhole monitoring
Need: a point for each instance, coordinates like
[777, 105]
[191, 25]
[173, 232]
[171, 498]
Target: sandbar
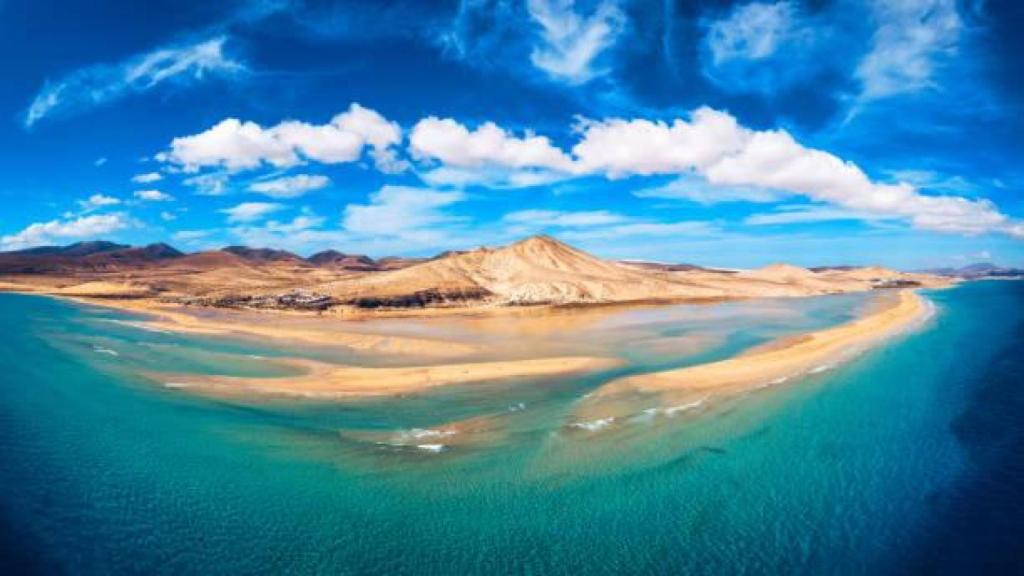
[784, 358]
[321, 380]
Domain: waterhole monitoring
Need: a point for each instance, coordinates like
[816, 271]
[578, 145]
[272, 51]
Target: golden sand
[785, 358]
[323, 380]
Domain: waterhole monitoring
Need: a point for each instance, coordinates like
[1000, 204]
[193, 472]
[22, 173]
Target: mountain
[262, 254]
[76, 249]
[537, 270]
[979, 270]
[343, 261]
[83, 256]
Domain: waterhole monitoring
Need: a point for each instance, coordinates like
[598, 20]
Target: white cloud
[569, 43]
[290, 186]
[488, 145]
[97, 201]
[102, 83]
[168, 216]
[147, 178]
[621, 148]
[555, 218]
[910, 41]
[710, 144]
[100, 161]
[750, 32]
[713, 145]
[236, 145]
[44, 233]
[153, 196]
[251, 211]
[400, 211]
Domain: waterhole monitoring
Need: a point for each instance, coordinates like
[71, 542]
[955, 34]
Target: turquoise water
[856, 470]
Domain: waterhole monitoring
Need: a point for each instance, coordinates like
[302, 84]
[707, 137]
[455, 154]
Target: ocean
[907, 459]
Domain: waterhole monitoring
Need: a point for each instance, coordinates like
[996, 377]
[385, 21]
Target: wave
[102, 350]
[673, 410]
[432, 447]
[594, 425]
[821, 368]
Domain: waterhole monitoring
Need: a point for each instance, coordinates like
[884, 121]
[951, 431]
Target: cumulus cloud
[103, 83]
[235, 145]
[712, 145]
[569, 43]
[147, 178]
[290, 186]
[487, 155]
[454, 144]
[54, 231]
[153, 196]
[911, 39]
[251, 211]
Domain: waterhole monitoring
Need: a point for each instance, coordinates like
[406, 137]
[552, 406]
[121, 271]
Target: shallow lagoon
[852, 470]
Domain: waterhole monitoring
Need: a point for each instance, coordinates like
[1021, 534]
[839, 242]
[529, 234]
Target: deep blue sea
[907, 460]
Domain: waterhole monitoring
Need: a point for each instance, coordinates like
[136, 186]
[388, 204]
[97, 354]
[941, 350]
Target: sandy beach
[785, 358]
[323, 380]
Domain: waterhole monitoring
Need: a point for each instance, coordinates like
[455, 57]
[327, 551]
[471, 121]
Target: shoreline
[776, 362]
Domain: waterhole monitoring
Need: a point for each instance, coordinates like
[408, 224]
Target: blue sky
[732, 134]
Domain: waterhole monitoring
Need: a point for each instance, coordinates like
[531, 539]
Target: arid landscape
[536, 271]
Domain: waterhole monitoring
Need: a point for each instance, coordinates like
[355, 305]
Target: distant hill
[671, 267]
[76, 249]
[979, 270]
[343, 261]
[84, 256]
[262, 254]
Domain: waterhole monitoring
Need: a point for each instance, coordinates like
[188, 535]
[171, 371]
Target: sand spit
[321, 380]
[760, 367]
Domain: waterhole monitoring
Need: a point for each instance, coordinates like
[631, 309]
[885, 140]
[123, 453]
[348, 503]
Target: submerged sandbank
[323, 380]
[177, 318]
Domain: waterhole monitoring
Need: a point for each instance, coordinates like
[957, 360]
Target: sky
[720, 133]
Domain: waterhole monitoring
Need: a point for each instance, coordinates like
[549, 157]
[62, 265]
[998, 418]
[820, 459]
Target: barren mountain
[537, 270]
